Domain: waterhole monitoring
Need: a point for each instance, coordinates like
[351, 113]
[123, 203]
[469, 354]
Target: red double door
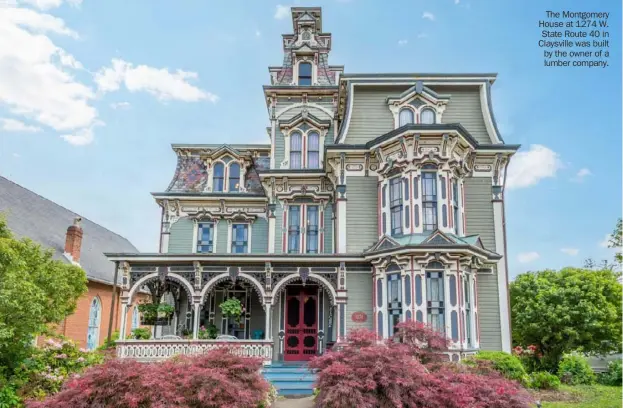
[301, 334]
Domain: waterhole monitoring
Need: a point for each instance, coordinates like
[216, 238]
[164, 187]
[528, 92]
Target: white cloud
[38, 81]
[581, 175]
[12, 125]
[82, 137]
[457, 1]
[428, 15]
[50, 4]
[402, 42]
[16, 155]
[282, 12]
[527, 257]
[606, 241]
[570, 251]
[120, 105]
[159, 82]
[528, 168]
[258, 33]
[422, 35]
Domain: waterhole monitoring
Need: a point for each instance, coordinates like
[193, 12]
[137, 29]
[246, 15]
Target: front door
[301, 312]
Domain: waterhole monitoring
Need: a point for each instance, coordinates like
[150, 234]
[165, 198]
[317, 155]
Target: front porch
[285, 312]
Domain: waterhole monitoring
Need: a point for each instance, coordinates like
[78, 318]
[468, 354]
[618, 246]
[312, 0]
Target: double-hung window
[435, 300]
[311, 238]
[296, 148]
[455, 205]
[205, 237]
[313, 150]
[427, 116]
[305, 74]
[219, 177]
[239, 238]
[405, 117]
[429, 199]
[394, 300]
[395, 204]
[294, 228]
[468, 310]
[234, 177]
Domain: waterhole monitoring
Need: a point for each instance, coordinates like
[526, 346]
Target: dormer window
[234, 177]
[427, 116]
[406, 116]
[219, 177]
[296, 147]
[305, 74]
[227, 176]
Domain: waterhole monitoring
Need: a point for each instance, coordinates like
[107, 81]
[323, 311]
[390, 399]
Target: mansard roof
[431, 240]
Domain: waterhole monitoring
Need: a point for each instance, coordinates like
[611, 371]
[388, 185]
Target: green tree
[35, 291]
[615, 242]
[568, 310]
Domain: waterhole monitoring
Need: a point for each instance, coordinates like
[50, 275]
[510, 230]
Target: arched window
[219, 177]
[427, 116]
[95, 315]
[295, 150]
[234, 177]
[305, 74]
[406, 117]
[135, 320]
[313, 150]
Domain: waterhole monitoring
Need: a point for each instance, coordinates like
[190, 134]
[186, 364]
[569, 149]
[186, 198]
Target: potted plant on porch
[153, 313]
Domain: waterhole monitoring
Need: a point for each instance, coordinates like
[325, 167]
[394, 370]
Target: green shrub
[542, 380]
[574, 369]
[8, 396]
[112, 343]
[141, 333]
[613, 376]
[507, 364]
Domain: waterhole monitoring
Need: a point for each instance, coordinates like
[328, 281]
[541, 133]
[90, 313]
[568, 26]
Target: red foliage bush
[215, 379]
[367, 373]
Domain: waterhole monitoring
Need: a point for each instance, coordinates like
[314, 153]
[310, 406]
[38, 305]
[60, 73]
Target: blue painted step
[290, 378]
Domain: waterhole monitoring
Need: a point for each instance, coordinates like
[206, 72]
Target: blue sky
[92, 94]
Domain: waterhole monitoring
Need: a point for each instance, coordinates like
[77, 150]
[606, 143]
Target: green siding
[359, 287]
[181, 238]
[328, 229]
[479, 210]
[489, 312]
[279, 229]
[370, 115]
[465, 108]
[259, 236]
[279, 148]
[221, 237]
[361, 213]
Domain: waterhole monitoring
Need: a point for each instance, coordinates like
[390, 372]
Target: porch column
[197, 308]
[124, 312]
[267, 312]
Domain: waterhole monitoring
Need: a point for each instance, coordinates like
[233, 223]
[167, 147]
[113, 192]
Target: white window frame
[304, 147]
[94, 325]
[226, 171]
[417, 112]
[319, 214]
[136, 320]
[196, 234]
[295, 73]
[302, 249]
[230, 236]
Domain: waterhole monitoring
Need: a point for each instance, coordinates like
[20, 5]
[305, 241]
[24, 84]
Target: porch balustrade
[158, 350]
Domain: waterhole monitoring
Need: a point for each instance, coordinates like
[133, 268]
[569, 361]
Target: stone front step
[290, 379]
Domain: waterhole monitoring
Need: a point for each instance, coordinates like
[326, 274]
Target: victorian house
[377, 198]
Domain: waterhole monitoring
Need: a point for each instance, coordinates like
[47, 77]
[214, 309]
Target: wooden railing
[158, 350]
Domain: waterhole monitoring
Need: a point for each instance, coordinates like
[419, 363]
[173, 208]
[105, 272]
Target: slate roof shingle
[45, 222]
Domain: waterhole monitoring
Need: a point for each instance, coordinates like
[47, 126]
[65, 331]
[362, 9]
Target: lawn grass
[584, 396]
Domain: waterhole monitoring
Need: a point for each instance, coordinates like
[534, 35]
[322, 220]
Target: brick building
[74, 239]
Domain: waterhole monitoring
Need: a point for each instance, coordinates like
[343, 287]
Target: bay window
[395, 204]
[429, 198]
[394, 301]
[455, 205]
[435, 297]
[468, 310]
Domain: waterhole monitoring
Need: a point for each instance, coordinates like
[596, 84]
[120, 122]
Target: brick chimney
[73, 240]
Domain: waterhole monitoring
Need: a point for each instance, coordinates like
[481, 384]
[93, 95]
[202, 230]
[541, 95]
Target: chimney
[73, 240]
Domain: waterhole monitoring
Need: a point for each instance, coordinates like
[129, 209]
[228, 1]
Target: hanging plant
[232, 308]
[152, 312]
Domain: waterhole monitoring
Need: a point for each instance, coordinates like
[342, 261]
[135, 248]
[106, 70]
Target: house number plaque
[359, 317]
